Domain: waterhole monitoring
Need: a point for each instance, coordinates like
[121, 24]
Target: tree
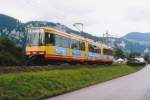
[133, 55]
[119, 53]
[146, 57]
[10, 53]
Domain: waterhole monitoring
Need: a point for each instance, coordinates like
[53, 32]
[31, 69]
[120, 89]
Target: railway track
[24, 68]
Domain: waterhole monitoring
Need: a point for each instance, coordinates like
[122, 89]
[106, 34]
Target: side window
[50, 38]
[82, 46]
[110, 52]
[58, 41]
[107, 51]
[66, 42]
[75, 44]
[94, 49]
[91, 48]
[62, 41]
[97, 50]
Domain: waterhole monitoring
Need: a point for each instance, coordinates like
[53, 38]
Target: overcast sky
[98, 16]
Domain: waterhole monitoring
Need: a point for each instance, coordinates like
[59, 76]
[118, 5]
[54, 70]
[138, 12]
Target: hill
[15, 29]
[137, 36]
[8, 24]
[12, 27]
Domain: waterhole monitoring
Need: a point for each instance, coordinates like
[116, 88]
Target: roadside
[55, 80]
[131, 87]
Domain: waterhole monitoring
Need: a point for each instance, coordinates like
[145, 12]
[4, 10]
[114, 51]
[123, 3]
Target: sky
[118, 17]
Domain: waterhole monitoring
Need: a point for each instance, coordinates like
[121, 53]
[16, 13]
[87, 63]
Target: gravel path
[131, 87]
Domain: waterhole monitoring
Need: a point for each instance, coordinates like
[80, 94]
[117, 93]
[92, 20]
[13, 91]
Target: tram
[46, 44]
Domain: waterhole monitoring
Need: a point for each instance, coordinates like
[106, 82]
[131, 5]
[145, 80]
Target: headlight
[34, 53]
[28, 53]
[41, 52]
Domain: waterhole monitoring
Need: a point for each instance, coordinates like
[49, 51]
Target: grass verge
[41, 84]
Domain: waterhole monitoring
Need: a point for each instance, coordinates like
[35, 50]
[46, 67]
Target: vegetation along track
[38, 82]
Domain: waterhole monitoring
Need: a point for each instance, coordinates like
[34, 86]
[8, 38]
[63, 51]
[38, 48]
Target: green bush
[10, 53]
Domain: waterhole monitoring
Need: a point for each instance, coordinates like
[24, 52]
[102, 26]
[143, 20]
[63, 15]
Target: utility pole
[105, 38]
[107, 41]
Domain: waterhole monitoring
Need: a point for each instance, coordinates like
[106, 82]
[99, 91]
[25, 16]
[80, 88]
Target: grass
[57, 80]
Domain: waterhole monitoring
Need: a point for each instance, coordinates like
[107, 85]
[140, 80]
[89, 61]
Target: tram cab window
[41, 39]
[35, 37]
[58, 41]
[50, 38]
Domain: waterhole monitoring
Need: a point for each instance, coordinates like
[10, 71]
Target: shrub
[10, 53]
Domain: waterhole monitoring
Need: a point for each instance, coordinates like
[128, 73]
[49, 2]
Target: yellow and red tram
[48, 44]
